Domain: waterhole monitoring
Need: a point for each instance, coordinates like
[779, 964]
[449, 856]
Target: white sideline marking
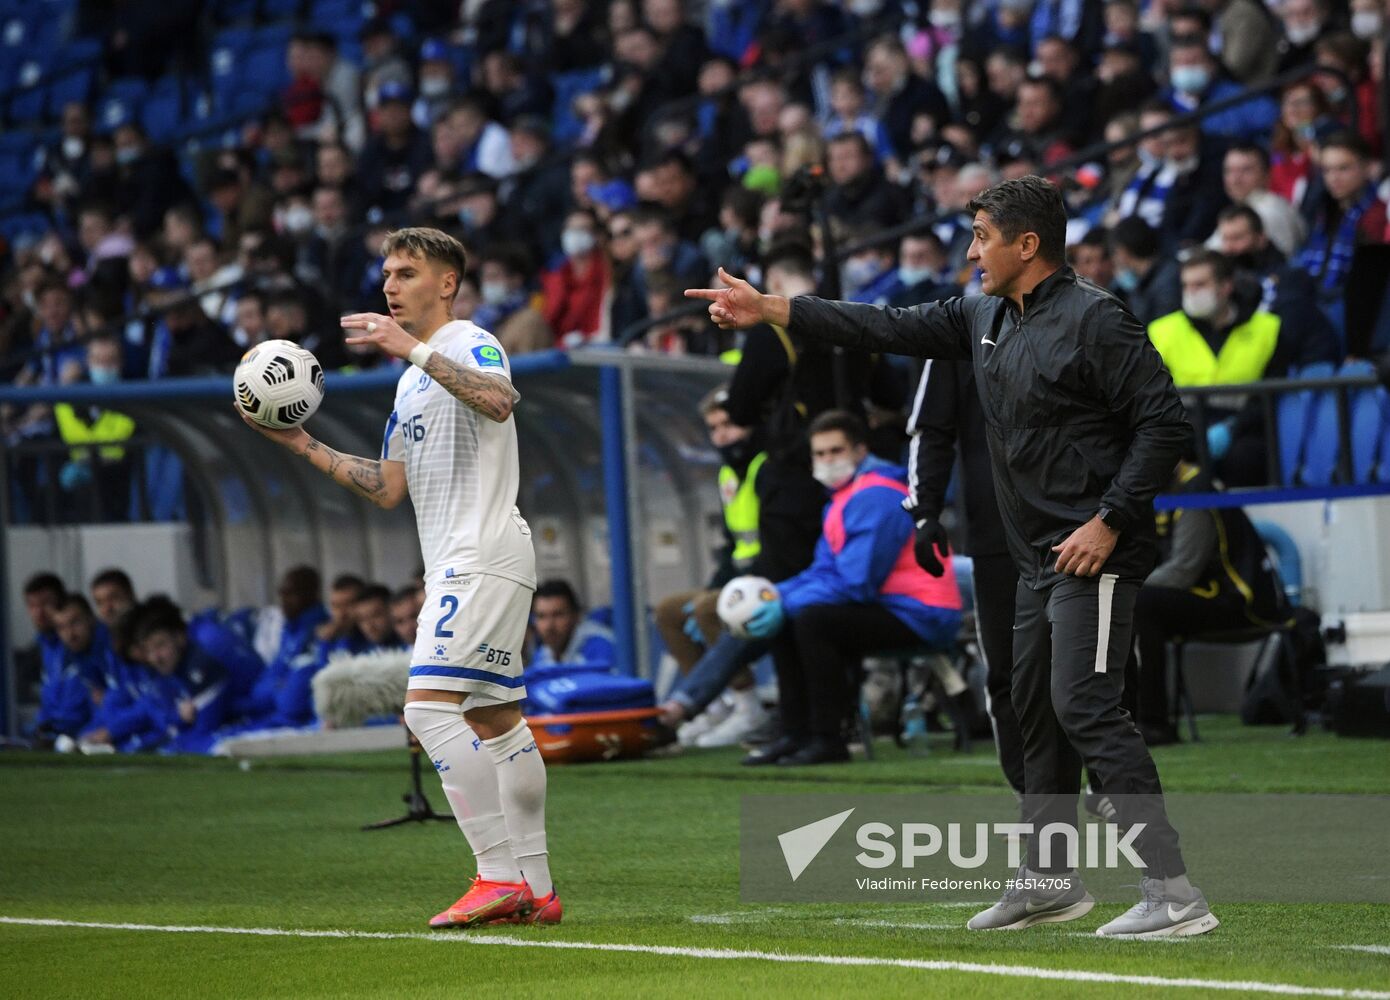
[1374, 949]
[928, 965]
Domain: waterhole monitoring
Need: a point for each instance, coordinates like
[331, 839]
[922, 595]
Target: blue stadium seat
[32, 223]
[120, 103]
[1287, 560]
[27, 105]
[263, 70]
[1294, 418]
[162, 112]
[16, 174]
[1369, 410]
[1323, 447]
[234, 11]
[274, 34]
[277, 10]
[73, 73]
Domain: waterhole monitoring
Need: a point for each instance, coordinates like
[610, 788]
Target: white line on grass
[927, 965]
[1374, 949]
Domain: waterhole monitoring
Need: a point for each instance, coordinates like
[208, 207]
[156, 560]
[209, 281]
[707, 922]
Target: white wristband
[420, 354]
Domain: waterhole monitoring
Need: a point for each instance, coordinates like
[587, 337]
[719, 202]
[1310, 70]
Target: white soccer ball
[740, 599]
[278, 384]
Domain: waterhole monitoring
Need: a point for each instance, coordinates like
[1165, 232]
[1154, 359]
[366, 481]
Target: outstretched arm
[490, 395]
[378, 480]
[934, 330]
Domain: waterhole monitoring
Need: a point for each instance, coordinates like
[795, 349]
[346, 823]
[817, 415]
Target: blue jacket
[298, 649]
[228, 647]
[1252, 119]
[152, 721]
[876, 529]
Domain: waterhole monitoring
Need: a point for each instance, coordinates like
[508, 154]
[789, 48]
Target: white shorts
[470, 634]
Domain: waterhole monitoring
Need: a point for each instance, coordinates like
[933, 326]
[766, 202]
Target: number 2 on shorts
[452, 603]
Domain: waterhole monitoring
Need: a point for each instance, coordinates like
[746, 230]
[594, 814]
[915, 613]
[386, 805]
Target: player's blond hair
[428, 244]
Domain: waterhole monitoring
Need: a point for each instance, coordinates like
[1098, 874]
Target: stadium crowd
[596, 158]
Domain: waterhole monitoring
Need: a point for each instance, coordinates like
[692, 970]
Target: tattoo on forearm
[361, 475]
[491, 396]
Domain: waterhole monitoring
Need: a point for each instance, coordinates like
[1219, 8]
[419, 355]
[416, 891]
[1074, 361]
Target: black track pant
[818, 656]
[996, 581]
[1071, 641]
[1159, 614]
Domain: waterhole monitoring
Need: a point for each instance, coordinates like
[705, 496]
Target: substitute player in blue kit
[450, 444]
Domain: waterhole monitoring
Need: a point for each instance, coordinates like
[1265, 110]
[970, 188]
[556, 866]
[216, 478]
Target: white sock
[469, 777]
[521, 781]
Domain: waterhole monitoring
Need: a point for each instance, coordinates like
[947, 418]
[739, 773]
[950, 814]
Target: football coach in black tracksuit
[1084, 428]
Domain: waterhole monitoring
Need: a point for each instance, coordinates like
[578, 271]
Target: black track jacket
[1081, 412]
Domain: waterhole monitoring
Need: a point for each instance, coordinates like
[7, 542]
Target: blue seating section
[1310, 432]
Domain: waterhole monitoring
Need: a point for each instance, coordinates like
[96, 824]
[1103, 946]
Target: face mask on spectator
[1337, 94]
[834, 474]
[104, 376]
[1147, 158]
[1365, 24]
[1126, 279]
[73, 146]
[910, 276]
[1201, 304]
[864, 8]
[434, 86]
[576, 242]
[944, 18]
[127, 155]
[1307, 132]
[859, 272]
[1191, 79]
[1302, 34]
[495, 292]
[299, 219]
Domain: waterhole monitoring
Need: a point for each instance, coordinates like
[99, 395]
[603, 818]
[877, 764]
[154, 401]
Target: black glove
[931, 540]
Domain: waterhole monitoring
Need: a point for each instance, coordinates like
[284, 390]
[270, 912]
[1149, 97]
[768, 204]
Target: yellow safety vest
[1189, 358]
[740, 499]
[107, 429]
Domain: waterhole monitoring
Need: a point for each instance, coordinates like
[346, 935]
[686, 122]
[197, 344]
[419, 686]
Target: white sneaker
[747, 718]
[718, 711]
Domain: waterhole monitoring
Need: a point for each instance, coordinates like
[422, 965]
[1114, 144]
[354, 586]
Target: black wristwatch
[1112, 519]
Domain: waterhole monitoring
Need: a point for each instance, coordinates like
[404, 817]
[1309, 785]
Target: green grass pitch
[645, 854]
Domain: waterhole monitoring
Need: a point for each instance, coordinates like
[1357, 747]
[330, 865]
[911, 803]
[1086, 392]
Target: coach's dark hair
[113, 576]
[559, 588]
[847, 423]
[428, 244]
[1221, 267]
[1027, 205]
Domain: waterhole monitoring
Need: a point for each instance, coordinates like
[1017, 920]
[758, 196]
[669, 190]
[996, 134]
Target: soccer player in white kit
[450, 443]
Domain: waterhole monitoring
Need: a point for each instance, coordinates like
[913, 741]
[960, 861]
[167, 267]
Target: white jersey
[461, 467]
